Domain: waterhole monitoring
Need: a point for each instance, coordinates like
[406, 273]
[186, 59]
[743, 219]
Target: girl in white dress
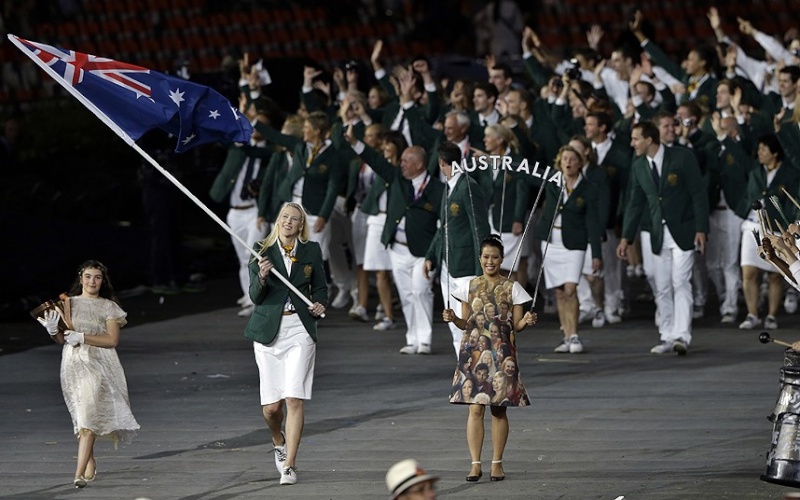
[92, 379]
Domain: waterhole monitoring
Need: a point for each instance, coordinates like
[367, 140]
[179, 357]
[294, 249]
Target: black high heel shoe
[474, 479]
[497, 478]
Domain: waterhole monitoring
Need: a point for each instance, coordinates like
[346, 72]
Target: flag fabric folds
[136, 99]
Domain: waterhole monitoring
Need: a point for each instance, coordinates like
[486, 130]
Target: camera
[686, 122]
[352, 64]
[574, 73]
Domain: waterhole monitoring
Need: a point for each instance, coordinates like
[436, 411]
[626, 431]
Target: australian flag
[133, 100]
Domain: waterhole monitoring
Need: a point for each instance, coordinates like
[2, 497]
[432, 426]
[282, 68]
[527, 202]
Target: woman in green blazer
[284, 330]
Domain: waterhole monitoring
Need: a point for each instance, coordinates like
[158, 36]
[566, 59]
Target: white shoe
[750, 322]
[244, 299]
[790, 302]
[575, 345]
[563, 347]
[680, 347]
[288, 475]
[728, 318]
[585, 316]
[629, 271]
[613, 318]
[409, 349]
[359, 313]
[697, 312]
[424, 349]
[638, 271]
[770, 323]
[599, 320]
[379, 314]
[246, 311]
[280, 454]
[384, 324]
[341, 299]
[663, 348]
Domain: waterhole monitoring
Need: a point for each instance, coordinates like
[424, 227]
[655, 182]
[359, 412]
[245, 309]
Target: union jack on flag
[135, 100]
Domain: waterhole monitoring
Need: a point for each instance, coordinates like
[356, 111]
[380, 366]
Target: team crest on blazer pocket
[729, 159]
[580, 201]
[611, 170]
[454, 209]
[307, 270]
[672, 179]
[323, 168]
[428, 207]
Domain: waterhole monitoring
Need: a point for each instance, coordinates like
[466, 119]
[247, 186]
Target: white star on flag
[214, 114]
[177, 96]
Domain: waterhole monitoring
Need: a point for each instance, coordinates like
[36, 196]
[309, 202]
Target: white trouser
[699, 281]
[243, 223]
[722, 258]
[449, 286]
[647, 259]
[613, 274]
[342, 271]
[672, 272]
[416, 294]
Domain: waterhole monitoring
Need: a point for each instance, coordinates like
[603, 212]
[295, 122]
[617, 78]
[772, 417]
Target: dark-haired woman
[92, 379]
[491, 257]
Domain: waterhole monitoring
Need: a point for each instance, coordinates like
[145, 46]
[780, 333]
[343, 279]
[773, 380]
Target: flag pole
[128, 140]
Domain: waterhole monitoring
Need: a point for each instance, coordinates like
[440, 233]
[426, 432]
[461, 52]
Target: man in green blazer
[667, 183]
[411, 218]
[466, 214]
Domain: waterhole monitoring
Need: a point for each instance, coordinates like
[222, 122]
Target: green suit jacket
[728, 175]
[237, 156]
[786, 177]
[323, 179]
[468, 220]
[507, 190]
[680, 199]
[420, 214]
[707, 92]
[617, 164]
[308, 276]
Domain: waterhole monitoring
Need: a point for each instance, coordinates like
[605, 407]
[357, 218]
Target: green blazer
[580, 226]
[680, 199]
[308, 276]
[421, 214]
[324, 179]
[268, 202]
[468, 221]
[617, 165]
[706, 93]
[728, 175]
[234, 161]
[544, 132]
[789, 137]
[786, 177]
[513, 199]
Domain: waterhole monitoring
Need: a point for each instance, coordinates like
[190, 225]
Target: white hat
[405, 474]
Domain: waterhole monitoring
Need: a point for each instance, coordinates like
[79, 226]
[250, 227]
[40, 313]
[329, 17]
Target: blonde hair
[506, 135]
[273, 235]
[563, 150]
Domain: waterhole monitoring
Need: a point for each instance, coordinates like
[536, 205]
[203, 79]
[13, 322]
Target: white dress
[92, 379]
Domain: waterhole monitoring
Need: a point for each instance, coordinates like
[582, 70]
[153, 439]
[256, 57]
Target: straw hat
[405, 474]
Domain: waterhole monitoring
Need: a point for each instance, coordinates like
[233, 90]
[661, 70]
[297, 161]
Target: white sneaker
[288, 475]
[359, 313]
[575, 345]
[385, 324]
[424, 349]
[790, 302]
[770, 323]
[244, 299]
[246, 311]
[379, 314]
[662, 348]
[629, 271]
[728, 318]
[563, 347]
[680, 347]
[599, 320]
[697, 312]
[409, 349]
[613, 318]
[280, 454]
[749, 322]
[341, 299]
[638, 271]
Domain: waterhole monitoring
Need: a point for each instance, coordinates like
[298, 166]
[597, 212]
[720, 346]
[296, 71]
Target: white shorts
[286, 366]
[561, 265]
[749, 252]
[376, 256]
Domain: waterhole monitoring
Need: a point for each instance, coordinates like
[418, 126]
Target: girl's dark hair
[493, 240]
[106, 289]
[772, 143]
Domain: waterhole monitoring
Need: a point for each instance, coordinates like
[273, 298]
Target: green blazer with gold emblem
[617, 164]
[468, 220]
[580, 225]
[421, 214]
[728, 175]
[323, 179]
[787, 177]
[234, 161]
[307, 275]
[680, 199]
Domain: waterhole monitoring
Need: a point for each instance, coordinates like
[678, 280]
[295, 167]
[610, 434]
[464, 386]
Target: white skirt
[749, 253]
[376, 256]
[286, 366]
[359, 232]
[561, 265]
[511, 245]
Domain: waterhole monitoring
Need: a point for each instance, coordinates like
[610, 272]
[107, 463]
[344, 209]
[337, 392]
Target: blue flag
[133, 100]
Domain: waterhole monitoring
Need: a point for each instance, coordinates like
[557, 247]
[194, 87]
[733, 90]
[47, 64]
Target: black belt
[242, 207]
[720, 207]
[288, 313]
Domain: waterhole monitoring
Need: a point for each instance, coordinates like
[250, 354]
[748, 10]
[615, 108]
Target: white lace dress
[92, 379]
